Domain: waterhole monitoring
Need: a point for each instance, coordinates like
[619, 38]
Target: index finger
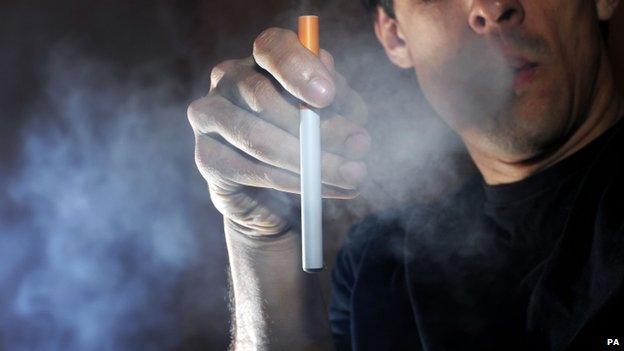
[296, 68]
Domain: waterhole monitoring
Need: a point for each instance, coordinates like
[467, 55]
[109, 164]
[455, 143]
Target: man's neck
[606, 108]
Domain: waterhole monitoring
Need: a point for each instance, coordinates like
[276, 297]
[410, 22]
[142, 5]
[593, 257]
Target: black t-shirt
[532, 265]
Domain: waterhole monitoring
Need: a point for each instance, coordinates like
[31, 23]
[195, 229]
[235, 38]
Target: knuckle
[192, 113]
[256, 89]
[295, 70]
[201, 114]
[265, 40]
[273, 49]
[207, 160]
[219, 71]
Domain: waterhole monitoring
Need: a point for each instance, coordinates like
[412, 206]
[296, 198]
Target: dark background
[81, 187]
[94, 140]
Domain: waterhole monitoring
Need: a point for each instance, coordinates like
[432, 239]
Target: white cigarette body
[311, 203]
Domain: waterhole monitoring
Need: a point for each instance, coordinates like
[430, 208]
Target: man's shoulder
[599, 200]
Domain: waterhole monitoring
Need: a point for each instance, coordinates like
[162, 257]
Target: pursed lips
[524, 71]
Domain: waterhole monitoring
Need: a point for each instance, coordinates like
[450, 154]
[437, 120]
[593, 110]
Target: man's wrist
[264, 233]
[278, 240]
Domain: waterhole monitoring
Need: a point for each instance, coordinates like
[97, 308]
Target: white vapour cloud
[107, 185]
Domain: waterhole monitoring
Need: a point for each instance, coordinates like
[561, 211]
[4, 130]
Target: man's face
[511, 77]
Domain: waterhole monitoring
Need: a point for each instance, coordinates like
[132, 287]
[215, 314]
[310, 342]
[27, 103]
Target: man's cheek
[444, 97]
[433, 45]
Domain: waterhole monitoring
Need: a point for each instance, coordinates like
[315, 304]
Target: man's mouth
[524, 73]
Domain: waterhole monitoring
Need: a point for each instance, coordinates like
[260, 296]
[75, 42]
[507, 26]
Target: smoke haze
[108, 231]
[109, 239]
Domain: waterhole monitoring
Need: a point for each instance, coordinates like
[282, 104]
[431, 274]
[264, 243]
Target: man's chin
[530, 134]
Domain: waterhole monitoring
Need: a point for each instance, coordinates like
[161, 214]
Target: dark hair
[371, 5]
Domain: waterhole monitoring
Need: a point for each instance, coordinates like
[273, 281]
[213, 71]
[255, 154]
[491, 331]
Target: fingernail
[319, 87]
[357, 145]
[353, 172]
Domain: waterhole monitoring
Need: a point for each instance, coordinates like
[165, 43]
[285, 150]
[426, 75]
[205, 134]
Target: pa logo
[613, 342]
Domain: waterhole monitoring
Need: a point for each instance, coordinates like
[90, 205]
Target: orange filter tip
[309, 33]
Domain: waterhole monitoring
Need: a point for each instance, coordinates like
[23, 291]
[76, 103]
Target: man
[529, 255]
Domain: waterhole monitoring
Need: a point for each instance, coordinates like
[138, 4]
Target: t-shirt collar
[551, 176]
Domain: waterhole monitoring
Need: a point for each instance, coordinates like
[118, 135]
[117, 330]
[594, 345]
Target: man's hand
[247, 130]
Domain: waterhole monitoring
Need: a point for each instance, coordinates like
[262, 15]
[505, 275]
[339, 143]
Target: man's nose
[491, 15]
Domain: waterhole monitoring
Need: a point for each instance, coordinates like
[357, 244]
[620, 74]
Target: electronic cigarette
[310, 154]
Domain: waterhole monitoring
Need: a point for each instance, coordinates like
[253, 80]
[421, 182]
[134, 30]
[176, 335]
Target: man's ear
[606, 8]
[392, 39]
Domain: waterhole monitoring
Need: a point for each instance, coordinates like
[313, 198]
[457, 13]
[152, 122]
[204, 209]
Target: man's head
[512, 77]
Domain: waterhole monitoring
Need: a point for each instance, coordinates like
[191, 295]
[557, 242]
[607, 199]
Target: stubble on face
[470, 80]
